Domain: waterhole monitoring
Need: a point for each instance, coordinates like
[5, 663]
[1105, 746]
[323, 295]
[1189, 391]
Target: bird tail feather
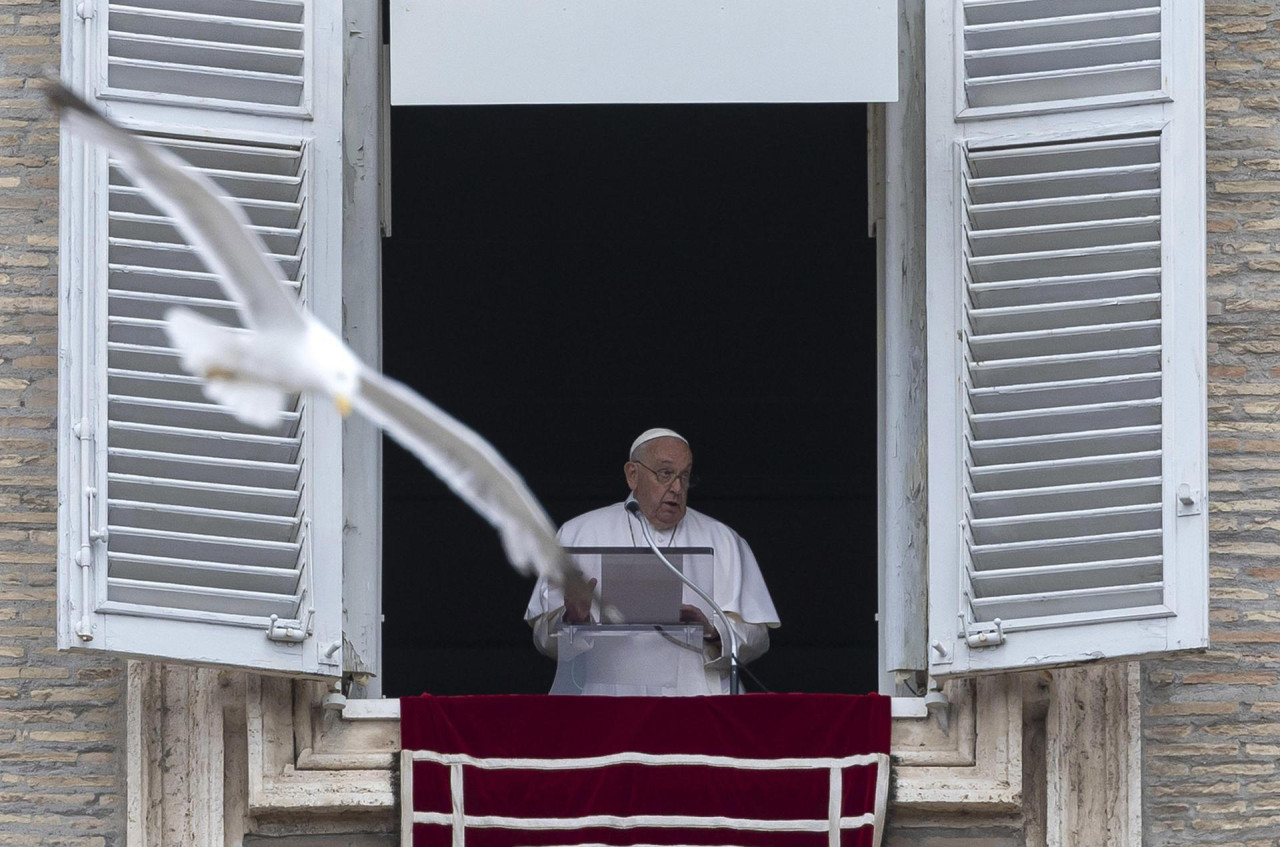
[213, 351]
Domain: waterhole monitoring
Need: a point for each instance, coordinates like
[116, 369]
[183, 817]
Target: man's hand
[694, 615]
[577, 602]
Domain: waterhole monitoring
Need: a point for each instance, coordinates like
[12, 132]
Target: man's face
[663, 505]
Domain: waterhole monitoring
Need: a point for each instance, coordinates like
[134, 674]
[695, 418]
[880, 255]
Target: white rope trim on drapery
[795, 763]
[597, 844]
[458, 820]
[641, 821]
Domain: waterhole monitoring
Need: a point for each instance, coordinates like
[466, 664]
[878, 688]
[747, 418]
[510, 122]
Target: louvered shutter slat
[170, 50]
[1033, 54]
[131, 225]
[180, 257]
[1071, 286]
[1060, 419]
[218, 548]
[1123, 598]
[1064, 314]
[196, 573]
[1054, 579]
[199, 598]
[221, 497]
[237, 52]
[1059, 210]
[164, 281]
[1047, 499]
[204, 521]
[261, 211]
[995, 453]
[152, 463]
[1060, 551]
[1070, 393]
[203, 415]
[216, 443]
[148, 306]
[1033, 369]
[1065, 341]
[1096, 467]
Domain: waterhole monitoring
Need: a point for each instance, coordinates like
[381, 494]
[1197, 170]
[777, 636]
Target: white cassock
[736, 585]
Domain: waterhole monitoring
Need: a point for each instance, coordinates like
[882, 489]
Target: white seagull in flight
[287, 350]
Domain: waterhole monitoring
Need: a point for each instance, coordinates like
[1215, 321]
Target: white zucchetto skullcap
[650, 434]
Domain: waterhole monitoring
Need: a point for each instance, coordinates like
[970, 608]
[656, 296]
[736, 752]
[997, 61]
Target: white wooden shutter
[1066, 268]
[185, 534]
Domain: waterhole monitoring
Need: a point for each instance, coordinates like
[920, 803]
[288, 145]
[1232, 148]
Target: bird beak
[219, 373]
[343, 404]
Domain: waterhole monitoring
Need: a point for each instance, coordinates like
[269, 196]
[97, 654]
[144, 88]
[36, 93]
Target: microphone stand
[734, 685]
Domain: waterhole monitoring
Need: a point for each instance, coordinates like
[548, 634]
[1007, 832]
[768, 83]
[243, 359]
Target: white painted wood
[642, 51]
[1066, 253]
[364, 147]
[903, 458]
[1023, 56]
[212, 527]
[220, 54]
[907, 708]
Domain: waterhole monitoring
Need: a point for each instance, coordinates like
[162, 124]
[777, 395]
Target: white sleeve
[753, 641]
[544, 628]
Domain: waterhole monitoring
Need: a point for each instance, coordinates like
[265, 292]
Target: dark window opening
[562, 278]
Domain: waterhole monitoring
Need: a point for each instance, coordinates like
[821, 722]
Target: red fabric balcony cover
[747, 727]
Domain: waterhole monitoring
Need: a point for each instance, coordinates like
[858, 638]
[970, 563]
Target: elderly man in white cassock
[658, 472]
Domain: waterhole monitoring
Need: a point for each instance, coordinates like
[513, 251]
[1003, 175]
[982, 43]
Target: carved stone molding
[972, 762]
[295, 769]
[218, 756]
[1093, 752]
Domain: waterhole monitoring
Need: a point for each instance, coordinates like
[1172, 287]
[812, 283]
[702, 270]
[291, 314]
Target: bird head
[335, 370]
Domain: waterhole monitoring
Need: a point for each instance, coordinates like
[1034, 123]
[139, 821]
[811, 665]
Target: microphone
[734, 687]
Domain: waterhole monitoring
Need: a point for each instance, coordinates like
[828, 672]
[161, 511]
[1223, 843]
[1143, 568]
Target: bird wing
[473, 469]
[219, 229]
[215, 226]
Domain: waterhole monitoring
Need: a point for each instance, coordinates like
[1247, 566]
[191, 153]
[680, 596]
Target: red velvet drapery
[746, 728]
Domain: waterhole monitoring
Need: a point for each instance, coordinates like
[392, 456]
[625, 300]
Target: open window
[1066, 429]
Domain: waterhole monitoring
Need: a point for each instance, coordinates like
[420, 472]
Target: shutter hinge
[89, 535]
[290, 632]
[987, 637]
[85, 9]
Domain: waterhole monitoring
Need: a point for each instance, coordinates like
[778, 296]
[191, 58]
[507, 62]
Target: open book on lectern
[634, 582]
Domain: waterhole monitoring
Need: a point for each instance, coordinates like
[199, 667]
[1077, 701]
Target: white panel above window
[185, 534]
[1067, 423]
[459, 52]
[1022, 55]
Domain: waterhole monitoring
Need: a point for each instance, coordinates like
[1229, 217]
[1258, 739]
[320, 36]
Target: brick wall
[1212, 723]
[61, 727]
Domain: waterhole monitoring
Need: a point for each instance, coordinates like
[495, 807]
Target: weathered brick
[1267, 678]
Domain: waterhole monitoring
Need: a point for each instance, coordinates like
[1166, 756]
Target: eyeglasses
[666, 476]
